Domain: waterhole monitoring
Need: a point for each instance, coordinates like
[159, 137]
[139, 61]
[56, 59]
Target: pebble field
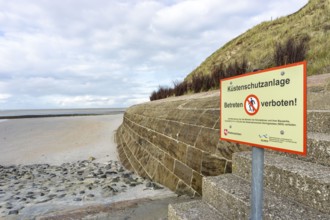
[23, 187]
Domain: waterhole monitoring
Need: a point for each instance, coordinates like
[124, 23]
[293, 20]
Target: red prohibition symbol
[251, 105]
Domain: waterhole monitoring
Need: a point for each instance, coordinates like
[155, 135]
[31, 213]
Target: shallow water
[59, 112]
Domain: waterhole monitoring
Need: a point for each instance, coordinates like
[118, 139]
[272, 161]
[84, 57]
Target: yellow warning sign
[266, 108]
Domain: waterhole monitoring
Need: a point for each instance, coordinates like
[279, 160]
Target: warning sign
[266, 108]
[251, 105]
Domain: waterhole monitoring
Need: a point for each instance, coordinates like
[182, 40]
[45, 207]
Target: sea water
[57, 112]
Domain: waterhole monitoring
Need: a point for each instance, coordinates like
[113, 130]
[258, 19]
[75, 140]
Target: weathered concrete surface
[296, 187]
[231, 195]
[176, 141]
[318, 92]
[307, 183]
[318, 149]
[319, 120]
[138, 209]
[193, 210]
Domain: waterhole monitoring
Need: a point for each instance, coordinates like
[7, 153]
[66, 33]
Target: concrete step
[193, 210]
[318, 121]
[305, 182]
[318, 149]
[318, 100]
[231, 194]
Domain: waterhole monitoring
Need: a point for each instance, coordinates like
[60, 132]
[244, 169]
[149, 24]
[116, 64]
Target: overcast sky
[113, 53]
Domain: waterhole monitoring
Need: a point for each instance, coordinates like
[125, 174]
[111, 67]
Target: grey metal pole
[257, 183]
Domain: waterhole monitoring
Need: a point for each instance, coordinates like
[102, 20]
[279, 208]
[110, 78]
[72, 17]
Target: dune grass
[257, 45]
[304, 35]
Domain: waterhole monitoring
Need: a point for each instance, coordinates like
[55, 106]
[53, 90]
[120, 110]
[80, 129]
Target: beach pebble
[156, 186]
[43, 200]
[13, 212]
[111, 172]
[80, 172]
[60, 190]
[91, 158]
[52, 196]
[114, 189]
[61, 196]
[116, 179]
[153, 185]
[126, 175]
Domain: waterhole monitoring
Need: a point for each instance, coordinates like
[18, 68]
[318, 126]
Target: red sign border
[304, 152]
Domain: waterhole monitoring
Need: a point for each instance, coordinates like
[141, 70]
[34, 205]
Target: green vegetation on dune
[258, 44]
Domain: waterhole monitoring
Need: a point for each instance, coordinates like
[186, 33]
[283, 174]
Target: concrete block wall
[176, 141]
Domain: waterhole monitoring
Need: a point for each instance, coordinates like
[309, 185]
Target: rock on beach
[24, 186]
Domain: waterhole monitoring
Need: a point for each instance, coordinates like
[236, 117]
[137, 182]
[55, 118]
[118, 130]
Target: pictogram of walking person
[251, 103]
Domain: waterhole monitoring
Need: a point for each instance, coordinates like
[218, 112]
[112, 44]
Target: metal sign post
[257, 192]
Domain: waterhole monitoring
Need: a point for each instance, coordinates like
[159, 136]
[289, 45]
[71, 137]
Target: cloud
[4, 97]
[106, 53]
[82, 101]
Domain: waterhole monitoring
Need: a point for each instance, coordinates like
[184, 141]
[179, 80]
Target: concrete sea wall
[176, 141]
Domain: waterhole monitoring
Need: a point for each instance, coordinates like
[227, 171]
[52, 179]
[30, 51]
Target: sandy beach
[57, 140]
[65, 163]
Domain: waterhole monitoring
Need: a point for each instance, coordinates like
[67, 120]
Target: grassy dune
[257, 45]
